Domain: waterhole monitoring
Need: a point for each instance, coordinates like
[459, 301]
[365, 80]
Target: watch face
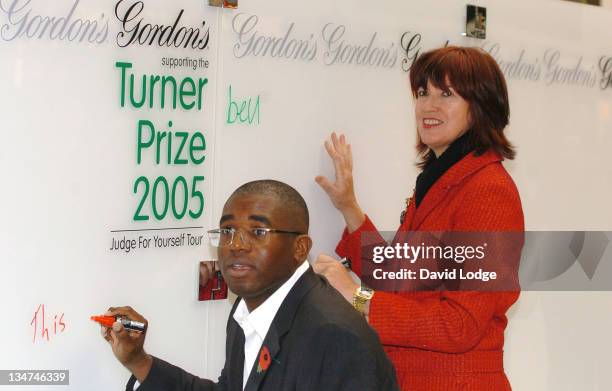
[366, 293]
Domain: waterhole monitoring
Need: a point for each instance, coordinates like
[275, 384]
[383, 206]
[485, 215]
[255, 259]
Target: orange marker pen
[131, 325]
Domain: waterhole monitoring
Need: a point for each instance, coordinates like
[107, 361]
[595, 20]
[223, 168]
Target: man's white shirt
[255, 324]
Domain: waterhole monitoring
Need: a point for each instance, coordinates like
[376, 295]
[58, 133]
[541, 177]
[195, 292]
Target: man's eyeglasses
[224, 237]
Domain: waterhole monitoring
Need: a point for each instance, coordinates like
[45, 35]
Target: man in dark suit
[289, 330]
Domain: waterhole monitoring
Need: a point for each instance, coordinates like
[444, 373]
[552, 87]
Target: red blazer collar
[454, 176]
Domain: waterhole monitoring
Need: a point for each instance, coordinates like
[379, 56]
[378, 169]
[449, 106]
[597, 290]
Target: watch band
[361, 297]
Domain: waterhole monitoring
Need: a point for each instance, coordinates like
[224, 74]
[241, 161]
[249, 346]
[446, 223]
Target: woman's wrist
[353, 217]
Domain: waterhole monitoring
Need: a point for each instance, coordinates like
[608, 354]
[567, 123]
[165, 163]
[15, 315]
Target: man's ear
[301, 247]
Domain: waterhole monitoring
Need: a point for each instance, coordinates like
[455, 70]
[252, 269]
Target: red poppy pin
[264, 360]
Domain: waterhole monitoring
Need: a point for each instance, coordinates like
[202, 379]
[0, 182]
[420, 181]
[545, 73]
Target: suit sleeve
[446, 321]
[349, 364]
[164, 376]
[167, 377]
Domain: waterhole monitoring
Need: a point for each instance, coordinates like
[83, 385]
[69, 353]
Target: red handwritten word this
[39, 325]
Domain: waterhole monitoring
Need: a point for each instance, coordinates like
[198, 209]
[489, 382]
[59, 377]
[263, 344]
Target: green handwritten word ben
[242, 113]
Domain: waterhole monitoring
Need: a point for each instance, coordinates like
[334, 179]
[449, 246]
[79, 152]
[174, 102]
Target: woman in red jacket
[441, 339]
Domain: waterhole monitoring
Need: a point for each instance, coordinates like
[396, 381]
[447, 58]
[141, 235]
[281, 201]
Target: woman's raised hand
[341, 191]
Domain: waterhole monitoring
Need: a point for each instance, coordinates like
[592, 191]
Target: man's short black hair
[286, 195]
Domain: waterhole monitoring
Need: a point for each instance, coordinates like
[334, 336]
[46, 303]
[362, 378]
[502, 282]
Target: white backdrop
[70, 161]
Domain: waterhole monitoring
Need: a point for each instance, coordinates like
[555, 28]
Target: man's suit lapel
[236, 371]
[265, 358]
[236, 350]
[270, 348]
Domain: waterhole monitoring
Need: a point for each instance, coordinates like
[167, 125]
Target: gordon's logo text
[135, 30]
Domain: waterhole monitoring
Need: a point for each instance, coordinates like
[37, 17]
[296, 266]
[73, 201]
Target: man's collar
[261, 317]
[282, 321]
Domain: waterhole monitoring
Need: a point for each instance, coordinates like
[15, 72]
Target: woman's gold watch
[361, 297]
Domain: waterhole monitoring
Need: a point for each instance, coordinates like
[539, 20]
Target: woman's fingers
[325, 259]
[336, 274]
[332, 151]
[334, 140]
[340, 190]
[349, 157]
[325, 184]
[339, 143]
[341, 156]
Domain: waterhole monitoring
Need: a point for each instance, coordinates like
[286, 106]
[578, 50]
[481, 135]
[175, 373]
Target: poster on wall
[108, 112]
